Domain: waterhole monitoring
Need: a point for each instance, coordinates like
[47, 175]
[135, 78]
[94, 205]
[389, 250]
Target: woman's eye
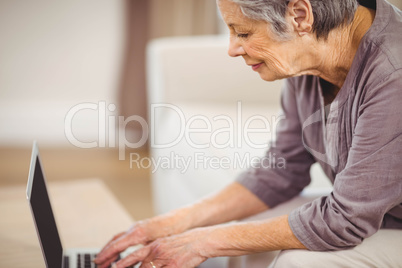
[242, 35]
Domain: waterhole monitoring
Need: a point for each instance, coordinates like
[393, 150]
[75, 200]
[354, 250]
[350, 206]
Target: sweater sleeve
[369, 186]
[279, 181]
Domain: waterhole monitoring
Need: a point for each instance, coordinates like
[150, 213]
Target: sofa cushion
[200, 148]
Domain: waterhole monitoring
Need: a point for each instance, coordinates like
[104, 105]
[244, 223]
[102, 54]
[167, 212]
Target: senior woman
[342, 99]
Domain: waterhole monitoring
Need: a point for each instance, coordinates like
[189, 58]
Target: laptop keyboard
[83, 261]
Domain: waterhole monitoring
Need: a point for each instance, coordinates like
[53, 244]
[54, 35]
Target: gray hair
[328, 15]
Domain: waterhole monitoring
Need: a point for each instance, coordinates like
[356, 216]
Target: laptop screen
[43, 216]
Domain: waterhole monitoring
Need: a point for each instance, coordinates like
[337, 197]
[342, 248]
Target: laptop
[54, 254]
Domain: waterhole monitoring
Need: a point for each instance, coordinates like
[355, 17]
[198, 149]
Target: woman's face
[259, 47]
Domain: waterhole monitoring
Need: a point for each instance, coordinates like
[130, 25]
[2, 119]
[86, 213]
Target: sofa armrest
[181, 69]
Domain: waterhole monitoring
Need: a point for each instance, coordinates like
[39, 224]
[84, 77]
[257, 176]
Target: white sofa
[193, 83]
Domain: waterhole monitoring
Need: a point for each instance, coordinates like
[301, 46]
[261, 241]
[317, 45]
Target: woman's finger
[134, 258]
[113, 239]
[108, 262]
[113, 249]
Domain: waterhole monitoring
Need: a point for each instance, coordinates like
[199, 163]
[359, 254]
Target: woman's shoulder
[378, 62]
[381, 47]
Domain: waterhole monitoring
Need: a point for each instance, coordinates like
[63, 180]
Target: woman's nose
[235, 49]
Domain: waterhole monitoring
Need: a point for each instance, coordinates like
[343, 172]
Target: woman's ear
[301, 16]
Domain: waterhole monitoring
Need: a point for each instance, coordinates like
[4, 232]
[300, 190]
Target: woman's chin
[269, 77]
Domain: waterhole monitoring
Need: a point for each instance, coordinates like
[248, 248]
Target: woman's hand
[232, 203]
[142, 232]
[185, 250]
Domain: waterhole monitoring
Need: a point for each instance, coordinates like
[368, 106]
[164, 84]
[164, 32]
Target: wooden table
[87, 215]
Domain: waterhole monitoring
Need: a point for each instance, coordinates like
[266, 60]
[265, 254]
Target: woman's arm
[191, 248]
[232, 203]
[251, 237]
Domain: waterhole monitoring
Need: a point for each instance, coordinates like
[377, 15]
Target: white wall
[54, 55]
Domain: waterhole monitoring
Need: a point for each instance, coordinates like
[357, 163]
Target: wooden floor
[131, 185]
